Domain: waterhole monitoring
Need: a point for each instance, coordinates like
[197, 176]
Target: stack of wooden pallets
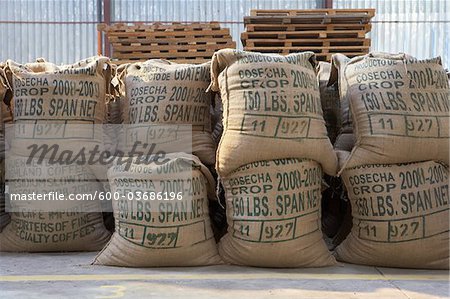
[323, 31]
[182, 43]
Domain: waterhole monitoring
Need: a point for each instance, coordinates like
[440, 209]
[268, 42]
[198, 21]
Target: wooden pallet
[297, 20]
[323, 31]
[184, 43]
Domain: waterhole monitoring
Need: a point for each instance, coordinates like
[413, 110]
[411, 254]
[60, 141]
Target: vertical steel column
[99, 34]
[107, 21]
[328, 3]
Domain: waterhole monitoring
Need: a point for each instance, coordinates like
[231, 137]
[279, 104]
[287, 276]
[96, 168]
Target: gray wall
[56, 42]
[418, 27]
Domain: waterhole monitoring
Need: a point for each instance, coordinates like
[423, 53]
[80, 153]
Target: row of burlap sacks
[288, 223]
[272, 193]
[271, 158]
[43, 93]
[390, 120]
[176, 233]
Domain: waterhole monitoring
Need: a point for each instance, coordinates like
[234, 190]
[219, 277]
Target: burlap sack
[44, 93]
[400, 109]
[3, 89]
[273, 213]
[4, 116]
[329, 97]
[112, 126]
[400, 216]
[57, 108]
[5, 112]
[345, 139]
[160, 92]
[216, 119]
[271, 109]
[44, 226]
[4, 217]
[147, 233]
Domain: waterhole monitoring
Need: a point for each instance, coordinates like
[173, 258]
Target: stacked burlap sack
[167, 105]
[329, 97]
[396, 175]
[51, 105]
[271, 157]
[160, 94]
[345, 139]
[155, 233]
[334, 204]
[338, 117]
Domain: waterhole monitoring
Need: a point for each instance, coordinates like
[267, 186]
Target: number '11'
[386, 124]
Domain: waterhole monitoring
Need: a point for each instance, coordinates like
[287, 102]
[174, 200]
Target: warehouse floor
[70, 275]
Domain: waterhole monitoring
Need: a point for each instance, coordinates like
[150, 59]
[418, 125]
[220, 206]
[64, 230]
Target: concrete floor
[70, 275]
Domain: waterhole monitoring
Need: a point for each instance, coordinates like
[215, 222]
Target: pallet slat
[309, 19]
[299, 34]
[165, 34]
[157, 27]
[307, 27]
[310, 48]
[294, 12]
[307, 42]
[155, 48]
[170, 41]
[320, 56]
[193, 60]
[164, 55]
